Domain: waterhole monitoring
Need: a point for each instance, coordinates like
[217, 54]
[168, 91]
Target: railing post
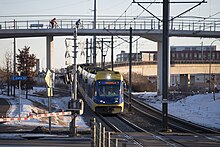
[100, 135]
[103, 137]
[27, 24]
[182, 25]
[116, 142]
[193, 26]
[214, 26]
[154, 24]
[14, 23]
[151, 24]
[144, 25]
[159, 25]
[82, 25]
[93, 132]
[109, 139]
[103, 23]
[61, 23]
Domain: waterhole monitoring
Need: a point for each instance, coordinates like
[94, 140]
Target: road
[47, 141]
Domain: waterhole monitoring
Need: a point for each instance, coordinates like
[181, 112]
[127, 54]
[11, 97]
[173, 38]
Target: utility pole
[94, 37]
[165, 50]
[14, 71]
[112, 53]
[87, 48]
[130, 72]
[165, 55]
[91, 55]
[137, 50]
[102, 52]
[102, 66]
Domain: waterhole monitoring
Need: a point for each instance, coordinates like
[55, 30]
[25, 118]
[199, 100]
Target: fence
[102, 138]
[109, 22]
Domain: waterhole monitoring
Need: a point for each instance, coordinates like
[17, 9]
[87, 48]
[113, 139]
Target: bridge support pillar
[159, 68]
[184, 82]
[50, 52]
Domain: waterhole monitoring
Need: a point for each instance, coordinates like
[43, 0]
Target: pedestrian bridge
[147, 27]
[150, 68]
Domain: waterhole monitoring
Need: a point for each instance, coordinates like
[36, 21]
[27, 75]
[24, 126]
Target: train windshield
[108, 88]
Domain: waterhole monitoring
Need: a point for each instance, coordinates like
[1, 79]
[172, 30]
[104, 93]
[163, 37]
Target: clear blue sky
[85, 7]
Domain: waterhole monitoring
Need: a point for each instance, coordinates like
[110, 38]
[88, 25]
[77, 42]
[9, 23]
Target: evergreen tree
[26, 66]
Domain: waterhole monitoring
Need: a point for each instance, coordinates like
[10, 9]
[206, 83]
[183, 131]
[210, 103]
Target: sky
[14, 8]
[200, 108]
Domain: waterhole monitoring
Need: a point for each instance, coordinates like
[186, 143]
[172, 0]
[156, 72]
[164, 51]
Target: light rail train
[102, 89]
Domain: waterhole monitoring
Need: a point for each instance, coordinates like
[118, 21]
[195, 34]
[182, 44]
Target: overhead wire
[129, 22]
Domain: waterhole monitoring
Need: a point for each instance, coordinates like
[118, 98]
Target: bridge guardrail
[104, 22]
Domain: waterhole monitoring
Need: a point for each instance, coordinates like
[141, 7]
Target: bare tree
[7, 71]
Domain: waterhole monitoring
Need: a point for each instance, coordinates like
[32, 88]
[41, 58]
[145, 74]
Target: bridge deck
[107, 26]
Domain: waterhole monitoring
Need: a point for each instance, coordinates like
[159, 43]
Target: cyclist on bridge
[53, 22]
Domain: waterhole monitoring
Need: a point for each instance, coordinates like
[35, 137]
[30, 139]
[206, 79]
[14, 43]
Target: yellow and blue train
[102, 89]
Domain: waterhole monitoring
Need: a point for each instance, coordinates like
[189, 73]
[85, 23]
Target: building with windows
[178, 54]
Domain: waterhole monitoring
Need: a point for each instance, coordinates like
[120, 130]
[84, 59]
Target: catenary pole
[94, 37]
[112, 53]
[165, 56]
[130, 68]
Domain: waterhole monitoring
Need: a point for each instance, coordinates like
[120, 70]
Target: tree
[26, 66]
[7, 71]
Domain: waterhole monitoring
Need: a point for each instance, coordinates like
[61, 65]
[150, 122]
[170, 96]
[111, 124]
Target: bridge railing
[107, 22]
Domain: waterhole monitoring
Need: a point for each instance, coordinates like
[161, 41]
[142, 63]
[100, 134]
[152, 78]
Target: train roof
[91, 68]
[108, 75]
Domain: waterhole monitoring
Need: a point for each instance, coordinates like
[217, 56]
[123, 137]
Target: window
[200, 56]
[182, 55]
[213, 56]
[195, 55]
[187, 49]
[190, 55]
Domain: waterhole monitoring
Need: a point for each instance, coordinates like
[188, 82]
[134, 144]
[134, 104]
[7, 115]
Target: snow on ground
[201, 109]
[27, 108]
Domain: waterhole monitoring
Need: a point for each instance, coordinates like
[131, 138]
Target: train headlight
[108, 77]
[101, 101]
[116, 100]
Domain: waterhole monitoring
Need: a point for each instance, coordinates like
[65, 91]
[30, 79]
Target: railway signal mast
[75, 105]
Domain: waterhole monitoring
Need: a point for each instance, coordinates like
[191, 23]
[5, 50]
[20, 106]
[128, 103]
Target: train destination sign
[19, 78]
[109, 83]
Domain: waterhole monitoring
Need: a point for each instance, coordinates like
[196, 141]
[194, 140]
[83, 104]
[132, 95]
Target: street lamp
[210, 56]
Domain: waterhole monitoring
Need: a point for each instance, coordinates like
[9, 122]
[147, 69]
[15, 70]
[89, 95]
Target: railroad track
[130, 131]
[119, 124]
[175, 123]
